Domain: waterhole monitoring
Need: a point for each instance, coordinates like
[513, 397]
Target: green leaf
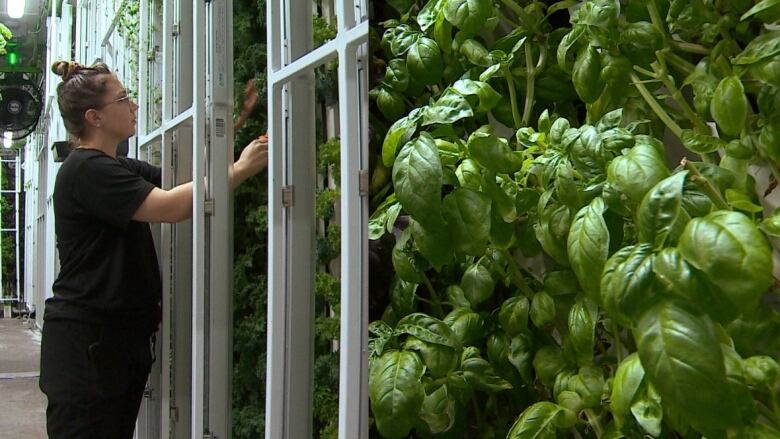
[741, 201]
[407, 264]
[589, 384]
[488, 97]
[548, 363]
[417, 178]
[537, 422]
[586, 75]
[628, 286]
[701, 143]
[569, 40]
[468, 15]
[457, 297]
[761, 7]
[439, 360]
[732, 253]
[513, 315]
[494, 153]
[466, 324]
[428, 329]
[762, 47]
[383, 219]
[761, 371]
[398, 134]
[648, 412]
[476, 53]
[403, 297]
[503, 204]
[438, 410]
[588, 246]
[424, 61]
[660, 214]
[628, 381]
[583, 316]
[396, 392]
[635, 173]
[467, 213]
[397, 75]
[681, 355]
[477, 284]
[428, 14]
[521, 356]
[434, 243]
[681, 279]
[729, 106]
[480, 374]
[449, 108]
[542, 309]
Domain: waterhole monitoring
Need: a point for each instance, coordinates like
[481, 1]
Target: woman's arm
[175, 205]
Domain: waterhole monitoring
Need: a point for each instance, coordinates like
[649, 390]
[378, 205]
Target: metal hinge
[209, 435]
[363, 182]
[176, 31]
[288, 196]
[174, 414]
[208, 206]
[148, 392]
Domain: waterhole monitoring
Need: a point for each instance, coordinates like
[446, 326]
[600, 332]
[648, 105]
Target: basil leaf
[583, 317]
[439, 360]
[661, 216]
[730, 106]
[588, 246]
[628, 285]
[467, 213]
[542, 309]
[538, 421]
[396, 392]
[424, 61]
[494, 153]
[732, 253]
[635, 173]
[417, 178]
[438, 410]
[513, 315]
[628, 381]
[681, 355]
[466, 324]
[477, 284]
[468, 15]
[428, 329]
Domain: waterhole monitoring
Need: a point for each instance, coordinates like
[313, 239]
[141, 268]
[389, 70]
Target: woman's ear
[93, 118]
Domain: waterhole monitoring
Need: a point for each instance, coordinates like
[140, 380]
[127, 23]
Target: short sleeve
[109, 191]
[149, 172]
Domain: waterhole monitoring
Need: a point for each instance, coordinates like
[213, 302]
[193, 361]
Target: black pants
[94, 378]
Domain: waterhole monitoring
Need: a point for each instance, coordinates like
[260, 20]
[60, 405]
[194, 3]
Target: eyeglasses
[125, 98]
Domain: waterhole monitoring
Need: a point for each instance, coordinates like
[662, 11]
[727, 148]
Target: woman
[96, 352]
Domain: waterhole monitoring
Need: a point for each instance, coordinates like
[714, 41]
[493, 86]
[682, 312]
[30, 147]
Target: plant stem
[434, 296]
[705, 185]
[478, 412]
[516, 275]
[668, 82]
[594, 421]
[693, 48]
[653, 103]
[507, 20]
[512, 96]
[618, 342]
[768, 414]
[529, 85]
[658, 21]
[518, 10]
[680, 63]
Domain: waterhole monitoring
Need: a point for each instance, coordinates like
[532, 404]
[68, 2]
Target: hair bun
[66, 69]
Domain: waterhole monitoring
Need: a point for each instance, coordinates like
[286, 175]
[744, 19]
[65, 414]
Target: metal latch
[148, 392]
[364, 182]
[288, 196]
[176, 30]
[209, 435]
[174, 414]
[208, 206]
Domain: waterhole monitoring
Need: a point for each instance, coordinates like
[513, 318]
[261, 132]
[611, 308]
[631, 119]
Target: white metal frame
[291, 218]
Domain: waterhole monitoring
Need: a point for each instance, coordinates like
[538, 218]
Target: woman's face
[118, 112]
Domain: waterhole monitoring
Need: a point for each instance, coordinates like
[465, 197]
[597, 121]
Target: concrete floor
[22, 405]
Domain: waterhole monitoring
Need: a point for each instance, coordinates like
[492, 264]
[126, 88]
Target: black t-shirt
[108, 265]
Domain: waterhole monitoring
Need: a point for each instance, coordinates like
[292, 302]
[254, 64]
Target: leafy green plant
[556, 273]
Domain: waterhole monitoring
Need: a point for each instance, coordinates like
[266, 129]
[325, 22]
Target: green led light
[12, 58]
